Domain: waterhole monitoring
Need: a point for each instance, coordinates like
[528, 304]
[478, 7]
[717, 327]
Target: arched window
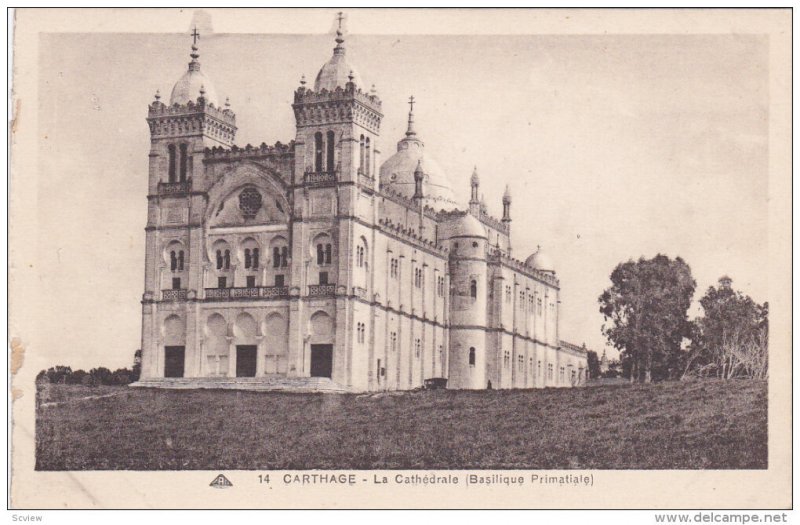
[227, 262]
[471, 356]
[285, 256]
[184, 162]
[171, 155]
[180, 260]
[318, 152]
[276, 257]
[366, 156]
[361, 155]
[473, 288]
[219, 259]
[255, 258]
[320, 254]
[173, 261]
[331, 142]
[247, 259]
[328, 251]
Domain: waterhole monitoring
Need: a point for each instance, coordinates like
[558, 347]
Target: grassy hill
[689, 425]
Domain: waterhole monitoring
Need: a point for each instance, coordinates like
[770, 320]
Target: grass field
[690, 425]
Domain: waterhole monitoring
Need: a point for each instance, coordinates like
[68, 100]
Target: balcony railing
[322, 178]
[365, 180]
[172, 188]
[321, 289]
[254, 292]
[174, 295]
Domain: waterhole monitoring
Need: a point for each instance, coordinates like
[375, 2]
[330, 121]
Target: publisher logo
[221, 482]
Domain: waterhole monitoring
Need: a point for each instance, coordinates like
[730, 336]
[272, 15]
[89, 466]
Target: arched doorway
[321, 346]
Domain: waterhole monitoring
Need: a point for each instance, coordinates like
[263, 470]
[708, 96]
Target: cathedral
[316, 262]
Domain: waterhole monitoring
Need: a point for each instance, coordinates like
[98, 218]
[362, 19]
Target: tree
[58, 374]
[100, 376]
[593, 364]
[645, 310]
[137, 365]
[76, 378]
[730, 338]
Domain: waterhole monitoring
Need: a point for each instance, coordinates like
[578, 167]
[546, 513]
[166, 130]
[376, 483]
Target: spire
[507, 206]
[194, 65]
[339, 49]
[419, 176]
[474, 182]
[411, 132]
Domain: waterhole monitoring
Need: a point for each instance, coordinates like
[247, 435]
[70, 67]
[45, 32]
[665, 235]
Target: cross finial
[411, 102]
[340, 17]
[195, 35]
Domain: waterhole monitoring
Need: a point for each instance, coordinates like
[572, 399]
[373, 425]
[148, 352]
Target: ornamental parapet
[174, 295]
[490, 221]
[307, 96]
[159, 109]
[408, 202]
[248, 292]
[249, 151]
[580, 351]
[320, 290]
[500, 257]
[320, 178]
[411, 236]
[175, 188]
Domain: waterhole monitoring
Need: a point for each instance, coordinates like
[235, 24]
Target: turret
[474, 200]
[180, 131]
[468, 305]
[338, 122]
[507, 206]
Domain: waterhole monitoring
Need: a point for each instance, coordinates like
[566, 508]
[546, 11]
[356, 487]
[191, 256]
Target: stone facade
[309, 259]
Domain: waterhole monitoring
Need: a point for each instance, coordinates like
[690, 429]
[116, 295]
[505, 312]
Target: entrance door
[174, 361]
[246, 361]
[321, 360]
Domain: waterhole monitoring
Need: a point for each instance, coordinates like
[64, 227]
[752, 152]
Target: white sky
[615, 146]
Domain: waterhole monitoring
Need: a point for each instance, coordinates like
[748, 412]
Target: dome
[540, 261]
[337, 71]
[469, 226]
[397, 172]
[188, 87]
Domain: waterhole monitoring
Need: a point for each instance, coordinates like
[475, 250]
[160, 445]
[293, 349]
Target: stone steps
[265, 384]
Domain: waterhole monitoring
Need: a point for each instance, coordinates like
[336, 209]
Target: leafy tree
[58, 374]
[729, 340]
[593, 364]
[645, 310]
[137, 365]
[76, 378]
[121, 376]
[100, 376]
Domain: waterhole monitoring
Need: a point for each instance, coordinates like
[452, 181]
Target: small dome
[469, 226]
[540, 261]
[397, 172]
[337, 71]
[189, 86]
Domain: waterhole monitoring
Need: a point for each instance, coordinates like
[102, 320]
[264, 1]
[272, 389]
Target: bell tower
[180, 131]
[338, 124]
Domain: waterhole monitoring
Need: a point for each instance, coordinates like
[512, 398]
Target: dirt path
[85, 398]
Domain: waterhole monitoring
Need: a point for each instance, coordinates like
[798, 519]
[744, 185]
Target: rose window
[249, 202]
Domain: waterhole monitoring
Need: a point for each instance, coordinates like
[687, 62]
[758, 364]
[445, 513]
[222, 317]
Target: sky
[614, 147]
